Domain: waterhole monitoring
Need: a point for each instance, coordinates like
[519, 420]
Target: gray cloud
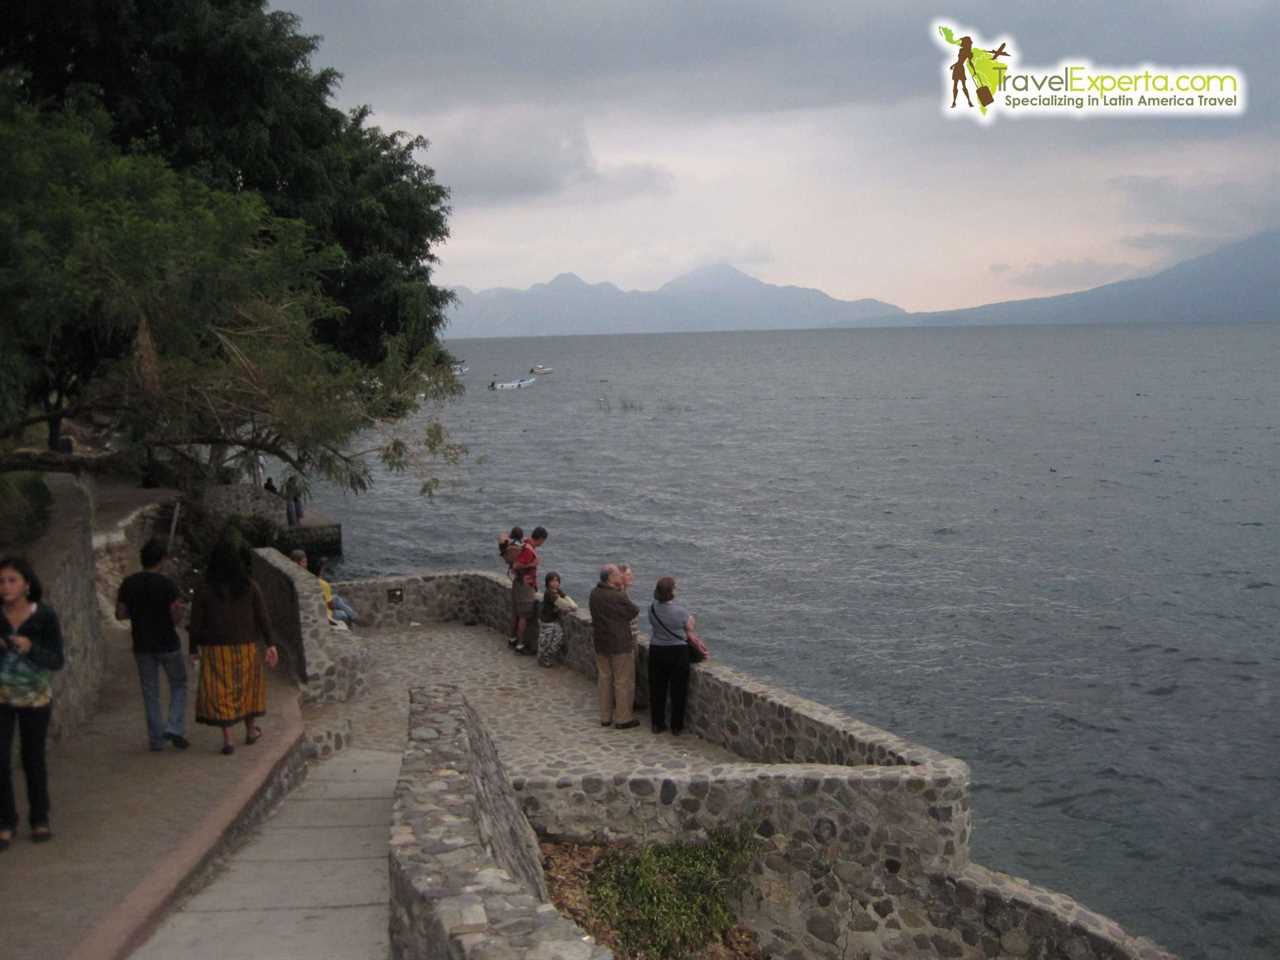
[1071, 274]
[722, 57]
[504, 155]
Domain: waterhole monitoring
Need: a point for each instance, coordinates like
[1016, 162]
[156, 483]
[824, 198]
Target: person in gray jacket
[611, 614]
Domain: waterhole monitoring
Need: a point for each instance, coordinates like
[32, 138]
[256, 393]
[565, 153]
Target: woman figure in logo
[957, 70]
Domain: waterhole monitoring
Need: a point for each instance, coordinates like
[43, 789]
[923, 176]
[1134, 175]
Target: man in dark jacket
[611, 614]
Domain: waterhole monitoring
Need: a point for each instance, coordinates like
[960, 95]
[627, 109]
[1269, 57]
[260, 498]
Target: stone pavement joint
[264, 904]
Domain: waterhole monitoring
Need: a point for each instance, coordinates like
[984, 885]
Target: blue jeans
[342, 610]
[175, 668]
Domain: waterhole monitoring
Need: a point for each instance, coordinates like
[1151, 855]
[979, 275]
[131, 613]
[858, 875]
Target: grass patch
[670, 900]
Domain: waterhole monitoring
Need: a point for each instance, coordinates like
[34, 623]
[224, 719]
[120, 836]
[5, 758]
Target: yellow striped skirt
[232, 687]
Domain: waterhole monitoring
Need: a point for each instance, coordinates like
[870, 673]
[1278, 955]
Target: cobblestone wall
[329, 663]
[466, 875]
[244, 500]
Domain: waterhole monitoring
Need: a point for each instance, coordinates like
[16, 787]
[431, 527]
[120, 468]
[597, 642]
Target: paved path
[311, 882]
[128, 823]
[543, 721]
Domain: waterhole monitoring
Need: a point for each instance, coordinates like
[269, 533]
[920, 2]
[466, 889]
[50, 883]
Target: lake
[1050, 551]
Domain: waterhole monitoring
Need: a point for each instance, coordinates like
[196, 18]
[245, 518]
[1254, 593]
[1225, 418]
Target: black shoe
[228, 749]
[606, 723]
[178, 740]
[626, 726]
[40, 833]
[658, 728]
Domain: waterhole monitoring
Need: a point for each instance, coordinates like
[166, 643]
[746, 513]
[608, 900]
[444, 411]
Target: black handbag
[697, 651]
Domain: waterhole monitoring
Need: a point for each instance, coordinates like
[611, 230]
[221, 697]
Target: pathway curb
[274, 772]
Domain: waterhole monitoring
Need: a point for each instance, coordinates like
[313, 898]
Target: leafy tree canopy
[182, 317]
[224, 90]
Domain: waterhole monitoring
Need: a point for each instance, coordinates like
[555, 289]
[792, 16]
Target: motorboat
[512, 384]
[459, 369]
[540, 370]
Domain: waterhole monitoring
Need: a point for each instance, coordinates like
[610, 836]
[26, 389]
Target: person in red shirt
[524, 589]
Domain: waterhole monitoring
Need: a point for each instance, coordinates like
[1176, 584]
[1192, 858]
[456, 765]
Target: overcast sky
[804, 141]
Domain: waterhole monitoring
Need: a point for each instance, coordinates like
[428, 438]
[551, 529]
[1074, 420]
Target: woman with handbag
[672, 648]
[30, 650]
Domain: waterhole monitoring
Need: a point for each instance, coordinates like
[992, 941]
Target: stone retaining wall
[466, 874]
[328, 663]
[244, 500]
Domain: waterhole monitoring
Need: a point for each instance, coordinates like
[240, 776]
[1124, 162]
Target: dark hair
[665, 590]
[548, 601]
[517, 533]
[152, 552]
[19, 564]
[539, 533]
[228, 570]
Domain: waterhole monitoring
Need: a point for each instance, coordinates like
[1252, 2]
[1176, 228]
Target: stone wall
[244, 500]
[328, 663]
[866, 835]
[466, 875]
[63, 559]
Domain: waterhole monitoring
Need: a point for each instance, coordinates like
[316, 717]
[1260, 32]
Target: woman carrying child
[555, 604]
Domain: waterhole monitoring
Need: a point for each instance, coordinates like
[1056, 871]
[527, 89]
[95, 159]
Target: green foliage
[185, 315]
[24, 508]
[224, 90]
[669, 900]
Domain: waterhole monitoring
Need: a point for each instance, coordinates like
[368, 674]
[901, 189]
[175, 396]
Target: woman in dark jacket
[30, 650]
[228, 618]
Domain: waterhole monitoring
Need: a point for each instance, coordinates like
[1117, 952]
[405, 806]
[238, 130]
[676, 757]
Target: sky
[806, 142]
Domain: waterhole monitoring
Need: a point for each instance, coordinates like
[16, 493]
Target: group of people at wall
[228, 622]
[615, 629]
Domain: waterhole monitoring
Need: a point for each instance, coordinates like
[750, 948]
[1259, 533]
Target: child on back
[555, 604]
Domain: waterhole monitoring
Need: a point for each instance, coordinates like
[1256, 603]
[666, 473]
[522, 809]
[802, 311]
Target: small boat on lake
[512, 384]
[459, 369]
[540, 370]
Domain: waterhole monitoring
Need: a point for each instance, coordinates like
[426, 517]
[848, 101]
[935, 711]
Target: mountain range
[1237, 282]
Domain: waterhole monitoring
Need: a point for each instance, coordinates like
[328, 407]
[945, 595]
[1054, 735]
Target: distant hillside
[711, 298]
[1238, 282]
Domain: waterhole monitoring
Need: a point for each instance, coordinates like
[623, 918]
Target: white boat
[459, 369]
[540, 370]
[513, 384]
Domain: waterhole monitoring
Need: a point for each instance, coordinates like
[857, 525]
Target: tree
[182, 317]
[224, 89]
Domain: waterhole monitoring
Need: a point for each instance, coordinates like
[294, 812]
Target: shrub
[668, 900]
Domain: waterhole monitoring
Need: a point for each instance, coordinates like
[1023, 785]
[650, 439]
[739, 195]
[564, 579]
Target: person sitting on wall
[555, 604]
[339, 611]
[611, 614]
[151, 603]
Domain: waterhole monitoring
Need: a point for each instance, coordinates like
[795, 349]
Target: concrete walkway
[311, 882]
[129, 824]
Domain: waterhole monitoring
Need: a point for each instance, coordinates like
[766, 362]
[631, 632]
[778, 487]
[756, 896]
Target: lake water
[1052, 552]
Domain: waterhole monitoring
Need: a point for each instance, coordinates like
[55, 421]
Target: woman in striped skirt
[228, 618]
